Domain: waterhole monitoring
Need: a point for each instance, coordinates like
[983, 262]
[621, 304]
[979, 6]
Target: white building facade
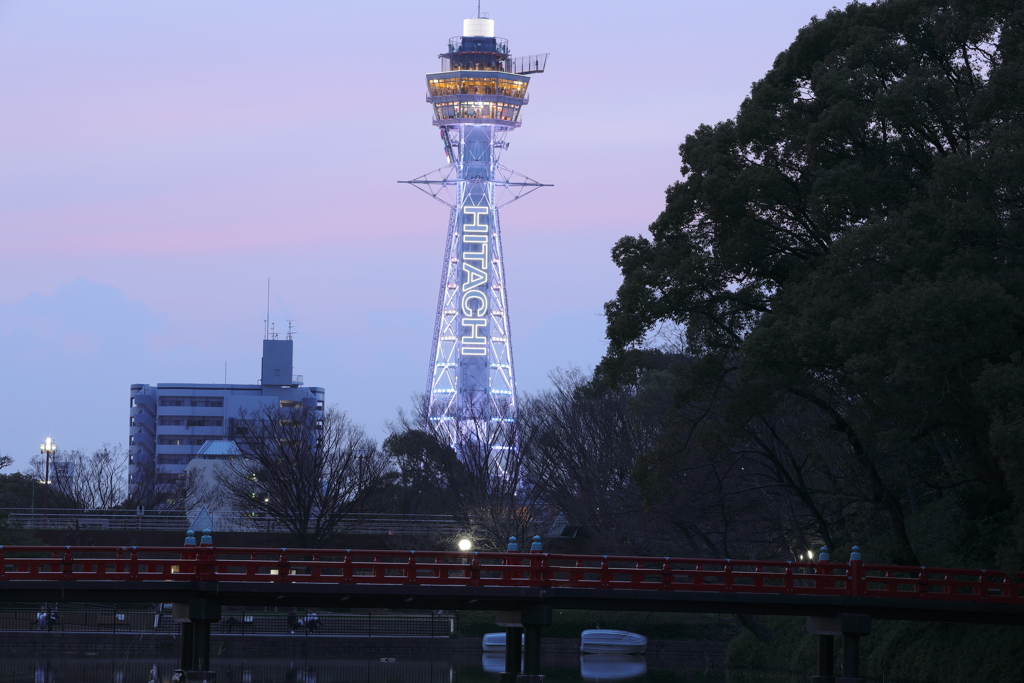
[170, 423]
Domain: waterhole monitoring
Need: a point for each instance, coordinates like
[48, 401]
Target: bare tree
[77, 480]
[584, 446]
[308, 469]
[181, 492]
[478, 465]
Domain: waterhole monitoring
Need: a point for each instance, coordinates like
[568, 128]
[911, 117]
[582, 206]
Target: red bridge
[463, 580]
[524, 584]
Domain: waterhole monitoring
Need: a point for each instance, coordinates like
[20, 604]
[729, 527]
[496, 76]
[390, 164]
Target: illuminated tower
[477, 97]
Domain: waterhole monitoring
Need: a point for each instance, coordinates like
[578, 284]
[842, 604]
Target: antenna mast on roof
[290, 331]
[477, 9]
[266, 323]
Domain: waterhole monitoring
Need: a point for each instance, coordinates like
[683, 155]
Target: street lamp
[47, 449]
[465, 544]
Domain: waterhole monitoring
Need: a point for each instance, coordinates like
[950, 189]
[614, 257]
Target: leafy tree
[849, 248]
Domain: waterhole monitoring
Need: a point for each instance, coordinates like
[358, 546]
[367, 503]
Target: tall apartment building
[169, 423]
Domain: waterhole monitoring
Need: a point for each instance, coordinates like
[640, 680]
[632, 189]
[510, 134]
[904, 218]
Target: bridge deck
[483, 580]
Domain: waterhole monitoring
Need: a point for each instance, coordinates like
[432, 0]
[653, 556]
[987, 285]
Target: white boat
[495, 642]
[603, 667]
[610, 641]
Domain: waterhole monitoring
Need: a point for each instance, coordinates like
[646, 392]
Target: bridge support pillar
[826, 660]
[513, 654]
[851, 659]
[851, 627]
[528, 621]
[195, 616]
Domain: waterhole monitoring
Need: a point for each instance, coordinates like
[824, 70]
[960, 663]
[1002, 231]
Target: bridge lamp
[465, 545]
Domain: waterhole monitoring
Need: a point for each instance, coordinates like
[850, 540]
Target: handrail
[534, 569]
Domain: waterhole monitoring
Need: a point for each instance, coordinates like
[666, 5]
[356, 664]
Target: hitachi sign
[475, 266]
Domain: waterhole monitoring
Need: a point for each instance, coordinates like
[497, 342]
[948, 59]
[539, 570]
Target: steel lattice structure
[477, 98]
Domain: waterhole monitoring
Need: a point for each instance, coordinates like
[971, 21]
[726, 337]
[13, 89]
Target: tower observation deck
[477, 97]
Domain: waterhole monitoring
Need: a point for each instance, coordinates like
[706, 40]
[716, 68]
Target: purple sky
[160, 160]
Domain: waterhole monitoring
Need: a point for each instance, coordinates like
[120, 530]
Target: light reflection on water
[565, 669]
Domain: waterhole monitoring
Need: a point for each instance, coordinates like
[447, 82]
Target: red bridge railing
[208, 563]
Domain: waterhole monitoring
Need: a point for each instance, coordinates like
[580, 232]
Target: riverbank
[895, 650]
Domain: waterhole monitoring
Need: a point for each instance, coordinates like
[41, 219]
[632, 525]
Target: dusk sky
[160, 160]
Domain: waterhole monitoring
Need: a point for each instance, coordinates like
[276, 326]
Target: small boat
[602, 667]
[610, 641]
[495, 642]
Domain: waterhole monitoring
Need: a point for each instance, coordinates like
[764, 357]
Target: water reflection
[611, 667]
[494, 662]
[467, 668]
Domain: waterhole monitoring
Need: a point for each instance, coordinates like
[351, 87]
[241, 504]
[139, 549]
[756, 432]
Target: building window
[205, 422]
[183, 421]
[192, 401]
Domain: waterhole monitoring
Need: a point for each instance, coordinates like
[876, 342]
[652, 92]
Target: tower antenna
[266, 323]
[477, 9]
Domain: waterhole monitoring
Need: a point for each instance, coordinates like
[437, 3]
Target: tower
[477, 97]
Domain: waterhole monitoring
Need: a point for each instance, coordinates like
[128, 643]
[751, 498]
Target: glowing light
[465, 544]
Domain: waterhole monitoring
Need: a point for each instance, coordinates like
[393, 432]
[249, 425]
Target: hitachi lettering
[475, 302]
[476, 212]
[474, 344]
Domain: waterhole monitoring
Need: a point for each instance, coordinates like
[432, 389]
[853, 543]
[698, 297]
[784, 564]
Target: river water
[588, 669]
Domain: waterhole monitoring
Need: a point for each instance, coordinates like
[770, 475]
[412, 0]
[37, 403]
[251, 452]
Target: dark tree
[852, 242]
[308, 469]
